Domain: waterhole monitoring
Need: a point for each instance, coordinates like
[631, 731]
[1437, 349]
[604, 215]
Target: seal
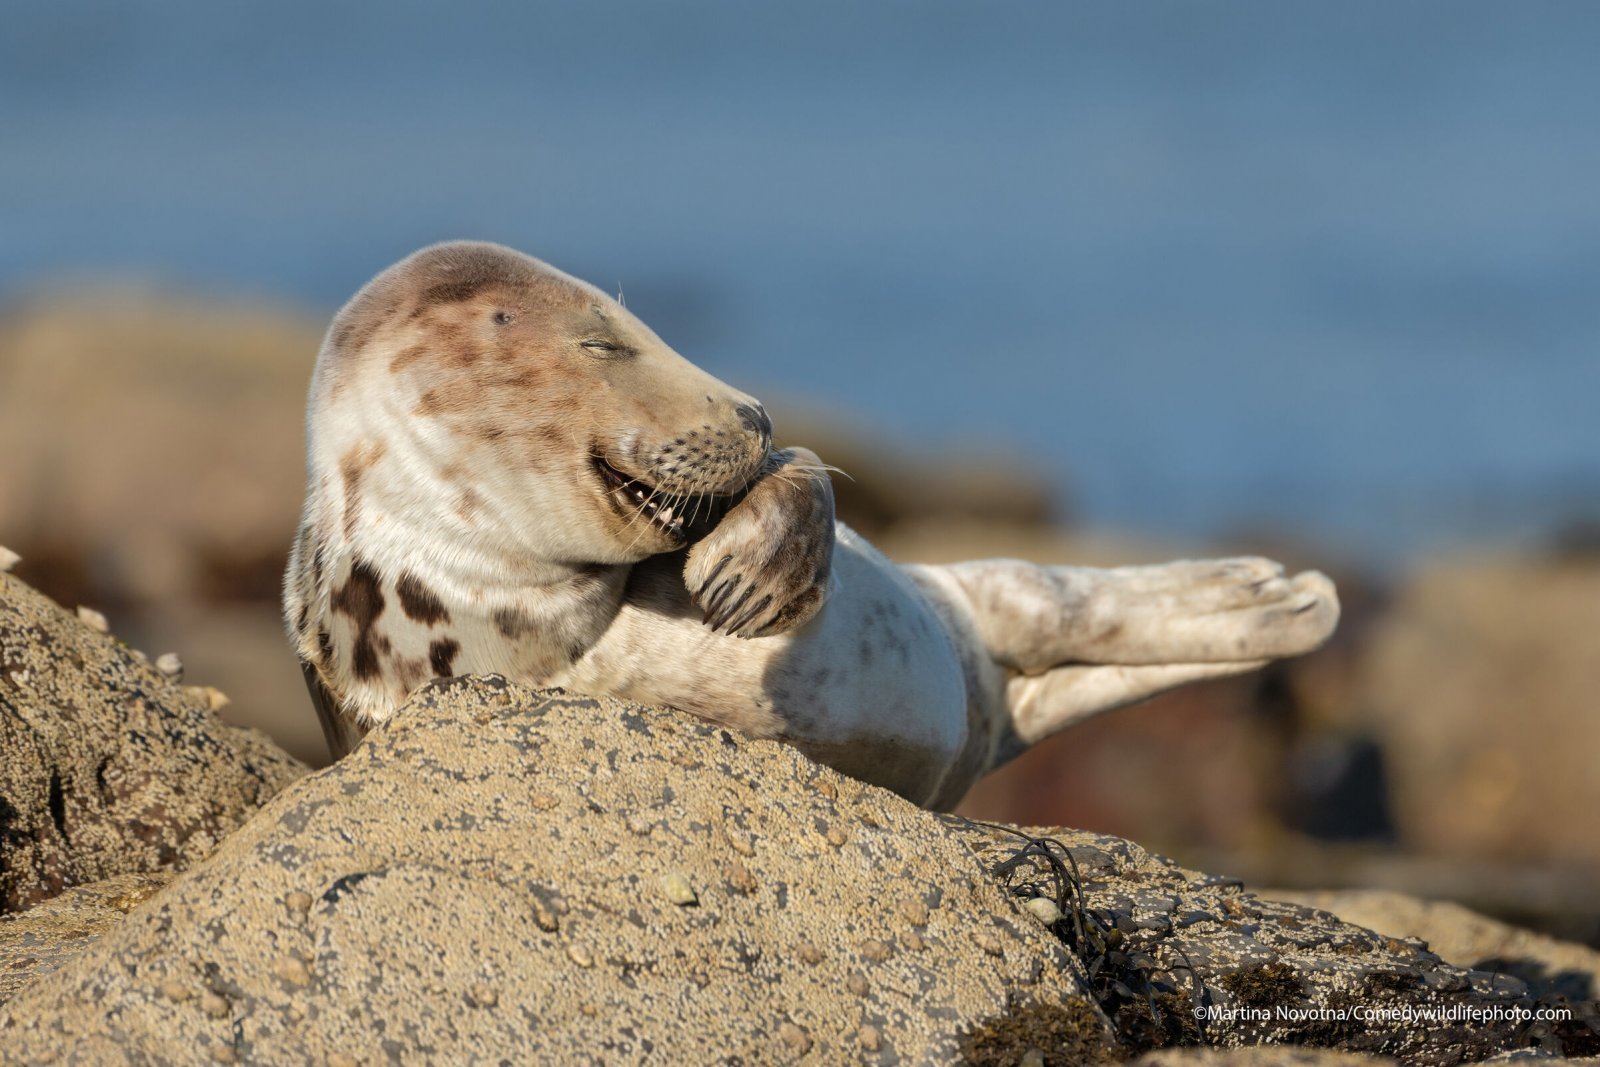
[510, 473]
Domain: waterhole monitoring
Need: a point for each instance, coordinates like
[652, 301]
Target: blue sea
[1330, 269]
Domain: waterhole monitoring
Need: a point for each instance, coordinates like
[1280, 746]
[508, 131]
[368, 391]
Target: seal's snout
[754, 418]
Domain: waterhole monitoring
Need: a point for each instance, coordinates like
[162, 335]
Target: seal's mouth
[667, 512]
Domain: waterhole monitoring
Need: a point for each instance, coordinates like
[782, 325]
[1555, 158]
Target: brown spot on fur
[468, 505]
[361, 598]
[419, 602]
[454, 291]
[301, 619]
[442, 657]
[412, 672]
[523, 379]
[366, 316]
[489, 433]
[324, 648]
[428, 405]
[448, 400]
[554, 436]
[512, 622]
[352, 465]
[465, 355]
[406, 357]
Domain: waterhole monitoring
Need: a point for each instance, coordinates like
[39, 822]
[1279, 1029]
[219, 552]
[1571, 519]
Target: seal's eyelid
[600, 346]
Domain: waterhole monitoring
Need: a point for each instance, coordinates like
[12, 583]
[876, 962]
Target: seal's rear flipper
[341, 733]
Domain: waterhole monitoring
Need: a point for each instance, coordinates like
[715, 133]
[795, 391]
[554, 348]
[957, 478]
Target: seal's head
[506, 399]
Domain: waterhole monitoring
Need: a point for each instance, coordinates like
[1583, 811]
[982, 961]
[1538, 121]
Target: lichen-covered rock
[501, 873]
[37, 941]
[1462, 936]
[106, 766]
[1178, 957]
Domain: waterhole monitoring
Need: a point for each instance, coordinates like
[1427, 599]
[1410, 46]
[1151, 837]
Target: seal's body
[509, 473]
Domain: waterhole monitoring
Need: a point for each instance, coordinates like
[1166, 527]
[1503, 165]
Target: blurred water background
[1332, 269]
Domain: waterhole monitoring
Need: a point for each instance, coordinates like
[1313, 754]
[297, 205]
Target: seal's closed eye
[606, 349]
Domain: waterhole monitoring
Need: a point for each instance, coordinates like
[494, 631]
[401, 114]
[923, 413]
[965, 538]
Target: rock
[107, 395]
[1465, 938]
[109, 769]
[1481, 686]
[39, 940]
[1258, 1056]
[170, 665]
[477, 891]
[1178, 957]
[161, 482]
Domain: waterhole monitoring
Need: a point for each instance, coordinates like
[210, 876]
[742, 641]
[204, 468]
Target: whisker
[817, 470]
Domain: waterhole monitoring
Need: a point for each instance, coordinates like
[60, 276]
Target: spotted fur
[510, 473]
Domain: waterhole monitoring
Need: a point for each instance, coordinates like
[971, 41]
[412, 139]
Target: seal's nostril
[755, 419]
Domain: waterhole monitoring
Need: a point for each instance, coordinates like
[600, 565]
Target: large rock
[502, 873]
[1481, 685]
[108, 768]
[154, 444]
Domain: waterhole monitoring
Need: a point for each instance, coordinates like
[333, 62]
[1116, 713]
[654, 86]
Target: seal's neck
[402, 573]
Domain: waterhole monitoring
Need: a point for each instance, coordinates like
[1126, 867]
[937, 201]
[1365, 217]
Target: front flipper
[764, 569]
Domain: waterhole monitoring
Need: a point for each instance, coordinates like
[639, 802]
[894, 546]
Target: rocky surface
[109, 768]
[505, 874]
[1258, 1056]
[1177, 957]
[1462, 936]
[37, 941]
